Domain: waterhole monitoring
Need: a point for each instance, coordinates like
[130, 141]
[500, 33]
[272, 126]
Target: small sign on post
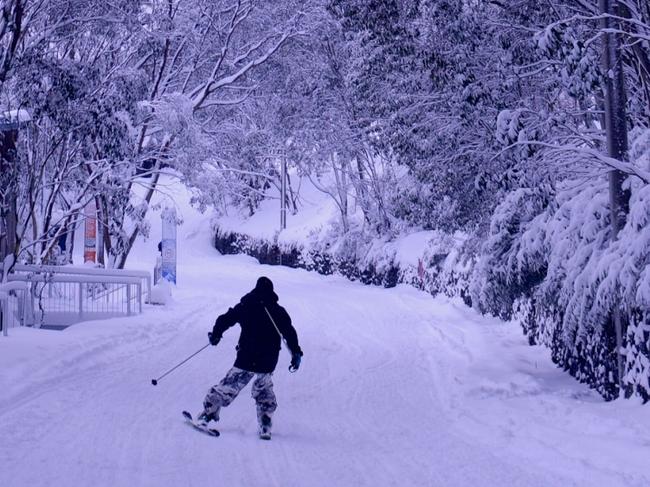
[168, 245]
[90, 232]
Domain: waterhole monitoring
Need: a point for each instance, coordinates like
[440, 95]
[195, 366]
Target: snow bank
[313, 240]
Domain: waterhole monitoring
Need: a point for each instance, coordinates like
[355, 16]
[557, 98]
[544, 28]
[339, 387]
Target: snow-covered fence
[13, 305]
[59, 296]
[143, 276]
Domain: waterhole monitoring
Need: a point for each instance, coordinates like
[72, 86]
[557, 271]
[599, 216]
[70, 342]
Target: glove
[214, 339]
[295, 361]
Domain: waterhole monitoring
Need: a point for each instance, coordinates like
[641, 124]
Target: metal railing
[58, 296]
[144, 276]
[13, 305]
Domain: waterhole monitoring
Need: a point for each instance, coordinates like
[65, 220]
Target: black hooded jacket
[259, 342]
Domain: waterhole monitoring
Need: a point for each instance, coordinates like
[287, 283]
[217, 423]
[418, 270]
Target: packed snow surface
[395, 388]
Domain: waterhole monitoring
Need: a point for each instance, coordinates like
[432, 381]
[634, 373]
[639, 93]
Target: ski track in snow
[395, 389]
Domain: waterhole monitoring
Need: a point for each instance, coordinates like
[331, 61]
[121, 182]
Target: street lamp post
[275, 154]
[283, 191]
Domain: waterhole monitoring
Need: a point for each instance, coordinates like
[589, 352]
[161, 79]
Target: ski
[201, 427]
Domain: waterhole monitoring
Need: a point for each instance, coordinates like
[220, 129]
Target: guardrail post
[32, 303]
[3, 313]
[81, 300]
[23, 308]
[128, 299]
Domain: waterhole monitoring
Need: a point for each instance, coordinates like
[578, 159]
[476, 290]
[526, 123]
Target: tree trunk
[640, 54]
[120, 261]
[101, 229]
[8, 208]
[106, 235]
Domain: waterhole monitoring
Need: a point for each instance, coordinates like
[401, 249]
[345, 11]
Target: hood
[265, 296]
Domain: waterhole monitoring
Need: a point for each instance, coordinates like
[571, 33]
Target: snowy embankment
[316, 225]
[314, 240]
[396, 388]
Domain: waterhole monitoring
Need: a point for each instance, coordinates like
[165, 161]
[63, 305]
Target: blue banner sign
[168, 271]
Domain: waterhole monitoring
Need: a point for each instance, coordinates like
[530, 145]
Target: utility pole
[617, 140]
[615, 112]
[283, 191]
[273, 155]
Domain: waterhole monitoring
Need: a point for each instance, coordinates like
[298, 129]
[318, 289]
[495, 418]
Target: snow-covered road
[396, 388]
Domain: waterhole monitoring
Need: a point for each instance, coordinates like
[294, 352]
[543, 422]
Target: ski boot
[204, 418]
[265, 427]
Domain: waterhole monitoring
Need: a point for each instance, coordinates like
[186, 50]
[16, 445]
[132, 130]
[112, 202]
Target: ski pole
[155, 381]
[291, 369]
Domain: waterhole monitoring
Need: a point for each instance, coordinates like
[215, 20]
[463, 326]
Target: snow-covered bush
[500, 274]
[550, 263]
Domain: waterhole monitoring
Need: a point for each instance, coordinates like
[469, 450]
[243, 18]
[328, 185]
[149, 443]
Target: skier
[263, 323]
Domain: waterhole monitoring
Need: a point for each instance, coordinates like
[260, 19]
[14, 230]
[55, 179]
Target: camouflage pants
[231, 385]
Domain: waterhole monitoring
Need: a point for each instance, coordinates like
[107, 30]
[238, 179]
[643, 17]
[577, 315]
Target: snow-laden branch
[215, 84]
[586, 154]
